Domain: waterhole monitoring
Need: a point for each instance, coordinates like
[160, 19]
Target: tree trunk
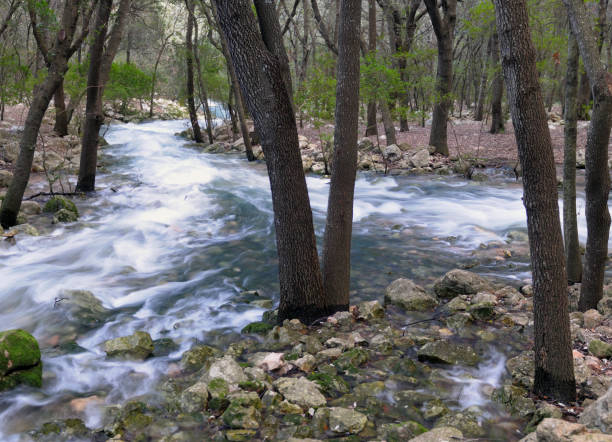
[93, 116]
[387, 122]
[193, 115]
[554, 368]
[570, 222]
[266, 97]
[482, 93]
[584, 97]
[372, 126]
[102, 58]
[273, 39]
[338, 229]
[444, 28]
[61, 116]
[597, 186]
[201, 88]
[497, 118]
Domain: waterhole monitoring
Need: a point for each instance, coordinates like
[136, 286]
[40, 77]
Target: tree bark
[482, 93]
[93, 117]
[444, 28]
[273, 39]
[371, 126]
[387, 122]
[338, 229]
[597, 186]
[497, 118]
[201, 88]
[56, 57]
[554, 369]
[96, 82]
[266, 97]
[570, 222]
[193, 115]
[61, 116]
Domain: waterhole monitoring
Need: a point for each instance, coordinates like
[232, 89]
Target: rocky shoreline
[378, 372]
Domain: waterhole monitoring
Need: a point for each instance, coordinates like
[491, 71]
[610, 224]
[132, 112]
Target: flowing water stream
[174, 234]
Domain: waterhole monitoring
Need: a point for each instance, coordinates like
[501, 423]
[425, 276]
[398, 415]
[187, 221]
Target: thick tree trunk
[444, 28]
[339, 226]
[371, 126]
[266, 97]
[93, 116]
[193, 115]
[570, 222]
[96, 82]
[497, 118]
[201, 88]
[584, 97]
[554, 369]
[61, 116]
[597, 186]
[273, 39]
[21, 174]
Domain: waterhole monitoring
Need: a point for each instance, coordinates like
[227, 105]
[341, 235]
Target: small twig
[57, 301]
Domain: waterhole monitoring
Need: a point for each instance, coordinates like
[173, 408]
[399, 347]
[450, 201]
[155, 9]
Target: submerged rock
[65, 430]
[445, 352]
[19, 360]
[460, 282]
[136, 346]
[401, 432]
[406, 294]
[83, 307]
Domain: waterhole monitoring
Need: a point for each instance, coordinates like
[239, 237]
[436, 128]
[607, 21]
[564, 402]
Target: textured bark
[371, 126]
[273, 39]
[56, 56]
[339, 226]
[201, 88]
[244, 130]
[61, 116]
[444, 28]
[193, 115]
[263, 88]
[387, 122]
[497, 89]
[570, 222]
[93, 117]
[597, 186]
[554, 369]
[96, 82]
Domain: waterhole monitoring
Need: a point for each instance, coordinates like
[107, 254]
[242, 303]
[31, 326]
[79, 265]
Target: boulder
[406, 294]
[26, 229]
[30, 208]
[195, 398]
[466, 421]
[365, 144]
[57, 203]
[197, 357]
[19, 360]
[300, 391]
[592, 319]
[5, 178]
[228, 369]
[82, 307]
[605, 306]
[558, 430]
[600, 349]
[460, 282]
[420, 159]
[138, 346]
[445, 352]
[370, 310]
[440, 434]
[522, 369]
[392, 152]
[64, 216]
[243, 411]
[346, 420]
[599, 413]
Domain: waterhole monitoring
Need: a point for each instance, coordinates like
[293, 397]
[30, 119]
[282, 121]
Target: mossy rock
[56, 203]
[67, 430]
[259, 328]
[330, 384]
[600, 349]
[401, 432]
[352, 359]
[136, 346]
[65, 216]
[19, 360]
[21, 219]
[197, 357]
[445, 352]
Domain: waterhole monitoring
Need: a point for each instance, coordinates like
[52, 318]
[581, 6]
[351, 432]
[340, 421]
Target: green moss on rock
[57, 203]
[19, 360]
[260, 328]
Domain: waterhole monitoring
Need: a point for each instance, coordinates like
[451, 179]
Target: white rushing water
[174, 233]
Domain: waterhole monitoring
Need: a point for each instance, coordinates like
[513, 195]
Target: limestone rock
[420, 159]
[228, 369]
[136, 346]
[83, 307]
[440, 434]
[64, 216]
[30, 208]
[392, 152]
[599, 413]
[346, 420]
[197, 357]
[195, 398]
[300, 391]
[445, 352]
[459, 282]
[592, 319]
[406, 294]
